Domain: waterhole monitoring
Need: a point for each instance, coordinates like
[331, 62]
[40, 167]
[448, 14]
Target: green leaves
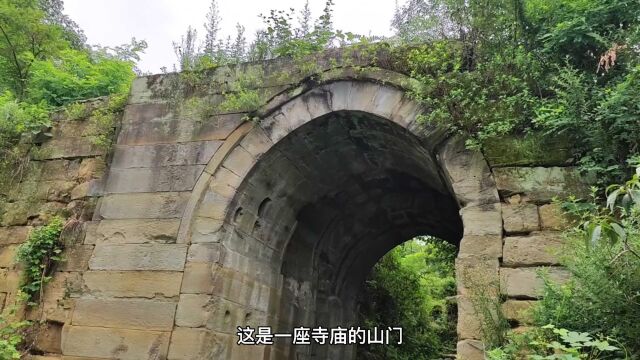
[38, 255]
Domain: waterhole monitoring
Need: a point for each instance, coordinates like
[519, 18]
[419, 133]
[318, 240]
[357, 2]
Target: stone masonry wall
[63, 177]
[527, 182]
[137, 283]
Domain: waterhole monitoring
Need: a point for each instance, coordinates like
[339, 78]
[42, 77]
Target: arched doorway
[303, 204]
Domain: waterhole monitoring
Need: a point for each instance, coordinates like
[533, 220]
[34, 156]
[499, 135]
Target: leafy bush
[412, 287]
[74, 75]
[551, 343]
[38, 255]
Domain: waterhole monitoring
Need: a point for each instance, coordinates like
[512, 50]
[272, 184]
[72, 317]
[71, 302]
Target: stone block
[535, 149]
[100, 342]
[69, 148]
[477, 273]
[125, 313]
[469, 325]
[165, 205]
[14, 234]
[143, 284]
[9, 280]
[59, 296]
[518, 311]
[193, 310]
[470, 176]
[520, 218]
[540, 248]
[136, 231]
[470, 350]
[540, 184]
[207, 253]
[8, 255]
[482, 219]
[49, 338]
[172, 130]
[198, 278]
[76, 258]
[239, 161]
[552, 217]
[196, 344]
[256, 142]
[481, 245]
[169, 257]
[91, 168]
[159, 155]
[155, 179]
[525, 283]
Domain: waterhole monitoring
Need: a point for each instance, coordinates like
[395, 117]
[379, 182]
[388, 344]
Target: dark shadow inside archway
[329, 200]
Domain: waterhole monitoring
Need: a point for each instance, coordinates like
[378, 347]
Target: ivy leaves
[38, 255]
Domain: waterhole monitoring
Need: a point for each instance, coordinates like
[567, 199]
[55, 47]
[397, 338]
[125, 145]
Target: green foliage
[38, 255]
[412, 287]
[551, 343]
[603, 256]
[74, 75]
[11, 336]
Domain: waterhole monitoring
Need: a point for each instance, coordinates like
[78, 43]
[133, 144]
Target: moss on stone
[533, 149]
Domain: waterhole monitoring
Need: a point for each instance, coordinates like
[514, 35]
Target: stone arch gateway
[206, 221]
[306, 202]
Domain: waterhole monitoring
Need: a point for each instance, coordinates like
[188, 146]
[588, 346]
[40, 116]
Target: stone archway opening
[326, 202]
[412, 288]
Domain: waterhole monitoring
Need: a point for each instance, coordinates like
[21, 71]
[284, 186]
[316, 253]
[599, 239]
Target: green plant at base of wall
[38, 255]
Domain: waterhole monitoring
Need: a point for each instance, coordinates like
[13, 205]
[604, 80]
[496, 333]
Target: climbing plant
[38, 256]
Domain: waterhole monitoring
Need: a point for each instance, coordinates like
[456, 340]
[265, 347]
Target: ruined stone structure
[205, 221]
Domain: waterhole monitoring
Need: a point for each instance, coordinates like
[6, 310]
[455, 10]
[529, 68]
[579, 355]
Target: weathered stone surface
[470, 350]
[477, 273]
[69, 148]
[100, 342]
[533, 149]
[552, 217]
[169, 129]
[198, 279]
[76, 258]
[519, 311]
[59, 296]
[468, 326]
[144, 206]
[520, 218]
[526, 283]
[134, 231]
[8, 255]
[170, 257]
[159, 155]
[144, 284]
[469, 173]
[195, 344]
[193, 310]
[49, 338]
[540, 248]
[9, 280]
[207, 253]
[125, 313]
[239, 161]
[482, 231]
[482, 219]
[538, 183]
[155, 179]
[13, 234]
